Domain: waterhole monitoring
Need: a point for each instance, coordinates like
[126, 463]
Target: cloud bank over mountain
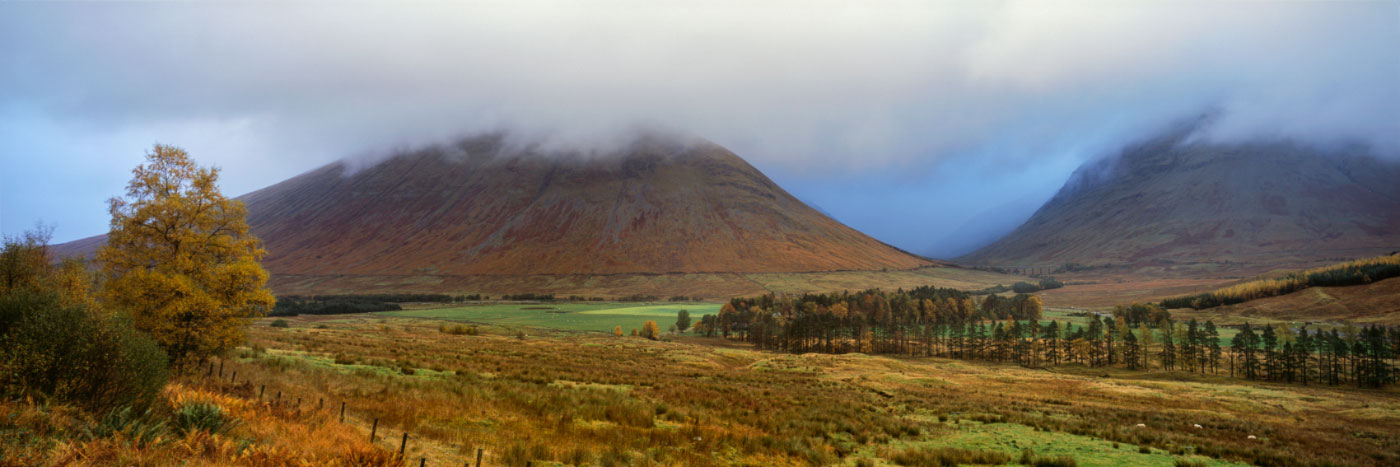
[917, 98]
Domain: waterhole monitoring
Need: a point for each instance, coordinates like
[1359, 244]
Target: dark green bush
[279, 323]
[202, 416]
[73, 354]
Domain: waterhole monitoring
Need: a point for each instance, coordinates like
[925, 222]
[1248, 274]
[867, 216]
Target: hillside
[1374, 303]
[482, 208]
[1171, 201]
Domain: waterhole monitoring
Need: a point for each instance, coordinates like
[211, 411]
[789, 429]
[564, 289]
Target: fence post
[233, 379]
[261, 390]
[403, 444]
[373, 428]
[320, 403]
[342, 412]
[211, 370]
[478, 457]
[221, 368]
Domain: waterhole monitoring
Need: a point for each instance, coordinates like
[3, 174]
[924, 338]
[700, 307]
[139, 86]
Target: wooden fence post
[342, 412]
[403, 444]
[233, 379]
[372, 429]
[211, 370]
[221, 368]
[261, 390]
[478, 457]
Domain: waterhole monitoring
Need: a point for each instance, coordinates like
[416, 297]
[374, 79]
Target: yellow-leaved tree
[180, 260]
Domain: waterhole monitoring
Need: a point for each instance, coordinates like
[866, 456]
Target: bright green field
[600, 317]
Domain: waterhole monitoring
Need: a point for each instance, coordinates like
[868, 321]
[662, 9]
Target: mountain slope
[1173, 200]
[481, 208]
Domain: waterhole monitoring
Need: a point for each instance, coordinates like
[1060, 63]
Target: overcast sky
[933, 127]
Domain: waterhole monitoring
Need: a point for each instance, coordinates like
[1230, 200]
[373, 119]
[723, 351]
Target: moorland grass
[627, 400]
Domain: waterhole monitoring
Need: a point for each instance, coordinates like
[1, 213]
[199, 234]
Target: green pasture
[1013, 439]
[591, 316]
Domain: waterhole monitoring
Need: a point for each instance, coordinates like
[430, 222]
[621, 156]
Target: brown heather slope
[478, 208]
[1200, 208]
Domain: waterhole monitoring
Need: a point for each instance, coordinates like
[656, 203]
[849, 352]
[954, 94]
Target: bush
[279, 323]
[650, 331]
[202, 416]
[1050, 283]
[1024, 287]
[683, 320]
[140, 427]
[74, 354]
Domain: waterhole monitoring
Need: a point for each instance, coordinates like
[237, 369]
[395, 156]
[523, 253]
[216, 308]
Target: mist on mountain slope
[903, 120]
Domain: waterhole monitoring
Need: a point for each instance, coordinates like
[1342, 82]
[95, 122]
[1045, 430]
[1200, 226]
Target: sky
[933, 126]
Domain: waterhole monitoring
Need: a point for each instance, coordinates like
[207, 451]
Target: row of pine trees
[950, 323]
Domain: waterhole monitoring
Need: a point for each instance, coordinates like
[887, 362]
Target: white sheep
[1198, 426]
[1251, 437]
[1142, 425]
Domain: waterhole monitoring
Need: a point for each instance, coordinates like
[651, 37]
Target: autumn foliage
[179, 258]
[1362, 271]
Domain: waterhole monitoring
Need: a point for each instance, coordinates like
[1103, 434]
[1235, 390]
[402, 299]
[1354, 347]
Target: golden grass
[605, 400]
[608, 400]
[264, 435]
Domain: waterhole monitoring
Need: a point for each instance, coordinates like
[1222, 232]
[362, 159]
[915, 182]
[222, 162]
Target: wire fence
[217, 372]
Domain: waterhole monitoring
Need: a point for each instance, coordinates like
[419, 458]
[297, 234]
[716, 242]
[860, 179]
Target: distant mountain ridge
[481, 208]
[1176, 200]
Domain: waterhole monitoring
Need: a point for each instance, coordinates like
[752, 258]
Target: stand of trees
[1362, 271]
[949, 323]
[292, 305]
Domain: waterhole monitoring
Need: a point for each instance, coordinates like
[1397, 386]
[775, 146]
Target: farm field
[598, 399]
[565, 316]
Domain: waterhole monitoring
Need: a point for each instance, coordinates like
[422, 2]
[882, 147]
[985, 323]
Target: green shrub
[279, 323]
[95, 360]
[202, 416]
[140, 428]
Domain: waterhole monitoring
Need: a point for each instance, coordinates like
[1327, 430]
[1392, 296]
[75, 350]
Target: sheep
[1197, 426]
[1251, 437]
[1141, 425]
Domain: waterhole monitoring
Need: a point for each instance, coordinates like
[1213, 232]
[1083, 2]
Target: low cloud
[808, 92]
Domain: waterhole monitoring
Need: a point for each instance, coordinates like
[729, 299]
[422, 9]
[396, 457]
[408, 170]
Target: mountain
[485, 207]
[1172, 200]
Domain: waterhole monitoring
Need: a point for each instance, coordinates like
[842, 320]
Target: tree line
[942, 322]
[1358, 272]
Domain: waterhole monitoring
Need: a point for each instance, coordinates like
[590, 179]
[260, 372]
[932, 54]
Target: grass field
[594, 399]
[595, 317]
[598, 399]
